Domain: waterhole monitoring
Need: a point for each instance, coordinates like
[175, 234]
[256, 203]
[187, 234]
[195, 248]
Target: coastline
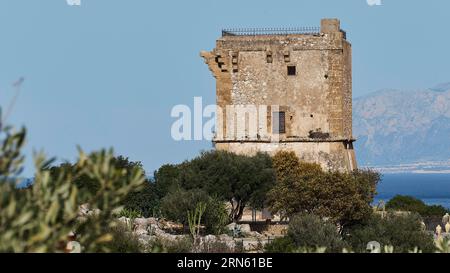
[431, 187]
[428, 167]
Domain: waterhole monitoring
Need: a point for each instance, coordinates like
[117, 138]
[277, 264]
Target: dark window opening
[312, 116]
[349, 145]
[291, 70]
[269, 58]
[279, 123]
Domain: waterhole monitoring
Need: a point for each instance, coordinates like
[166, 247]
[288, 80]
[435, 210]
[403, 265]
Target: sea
[433, 189]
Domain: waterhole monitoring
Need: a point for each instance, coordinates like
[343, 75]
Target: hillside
[401, 127]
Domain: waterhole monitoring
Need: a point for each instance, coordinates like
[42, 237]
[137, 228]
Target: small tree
[240, 180]
[344, 198]
[408, 203]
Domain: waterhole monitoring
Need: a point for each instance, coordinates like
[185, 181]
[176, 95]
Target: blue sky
[107, 73]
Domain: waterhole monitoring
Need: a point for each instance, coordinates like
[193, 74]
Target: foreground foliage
[39, 218]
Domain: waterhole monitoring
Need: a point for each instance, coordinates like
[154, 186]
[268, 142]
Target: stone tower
[285, 89]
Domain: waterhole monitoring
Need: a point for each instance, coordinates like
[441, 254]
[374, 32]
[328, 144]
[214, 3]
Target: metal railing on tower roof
[270, 31]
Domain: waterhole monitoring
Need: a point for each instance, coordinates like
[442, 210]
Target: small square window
[292, 70]
[279, 123]
[269, 57]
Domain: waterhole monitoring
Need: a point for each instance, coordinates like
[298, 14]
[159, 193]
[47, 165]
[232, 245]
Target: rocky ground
[148, 229]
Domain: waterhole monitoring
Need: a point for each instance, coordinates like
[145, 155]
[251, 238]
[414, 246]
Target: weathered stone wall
[317, 100]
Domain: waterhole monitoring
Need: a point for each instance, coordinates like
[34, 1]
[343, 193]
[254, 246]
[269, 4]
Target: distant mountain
[400, 127]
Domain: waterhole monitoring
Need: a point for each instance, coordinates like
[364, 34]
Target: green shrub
[408, 203]
[145, 201]
[404, 232]
[308, 233]
[435, 210]
[124, 241]
[129, 213]
[216, 217]
[281, 245]
[176, 205]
